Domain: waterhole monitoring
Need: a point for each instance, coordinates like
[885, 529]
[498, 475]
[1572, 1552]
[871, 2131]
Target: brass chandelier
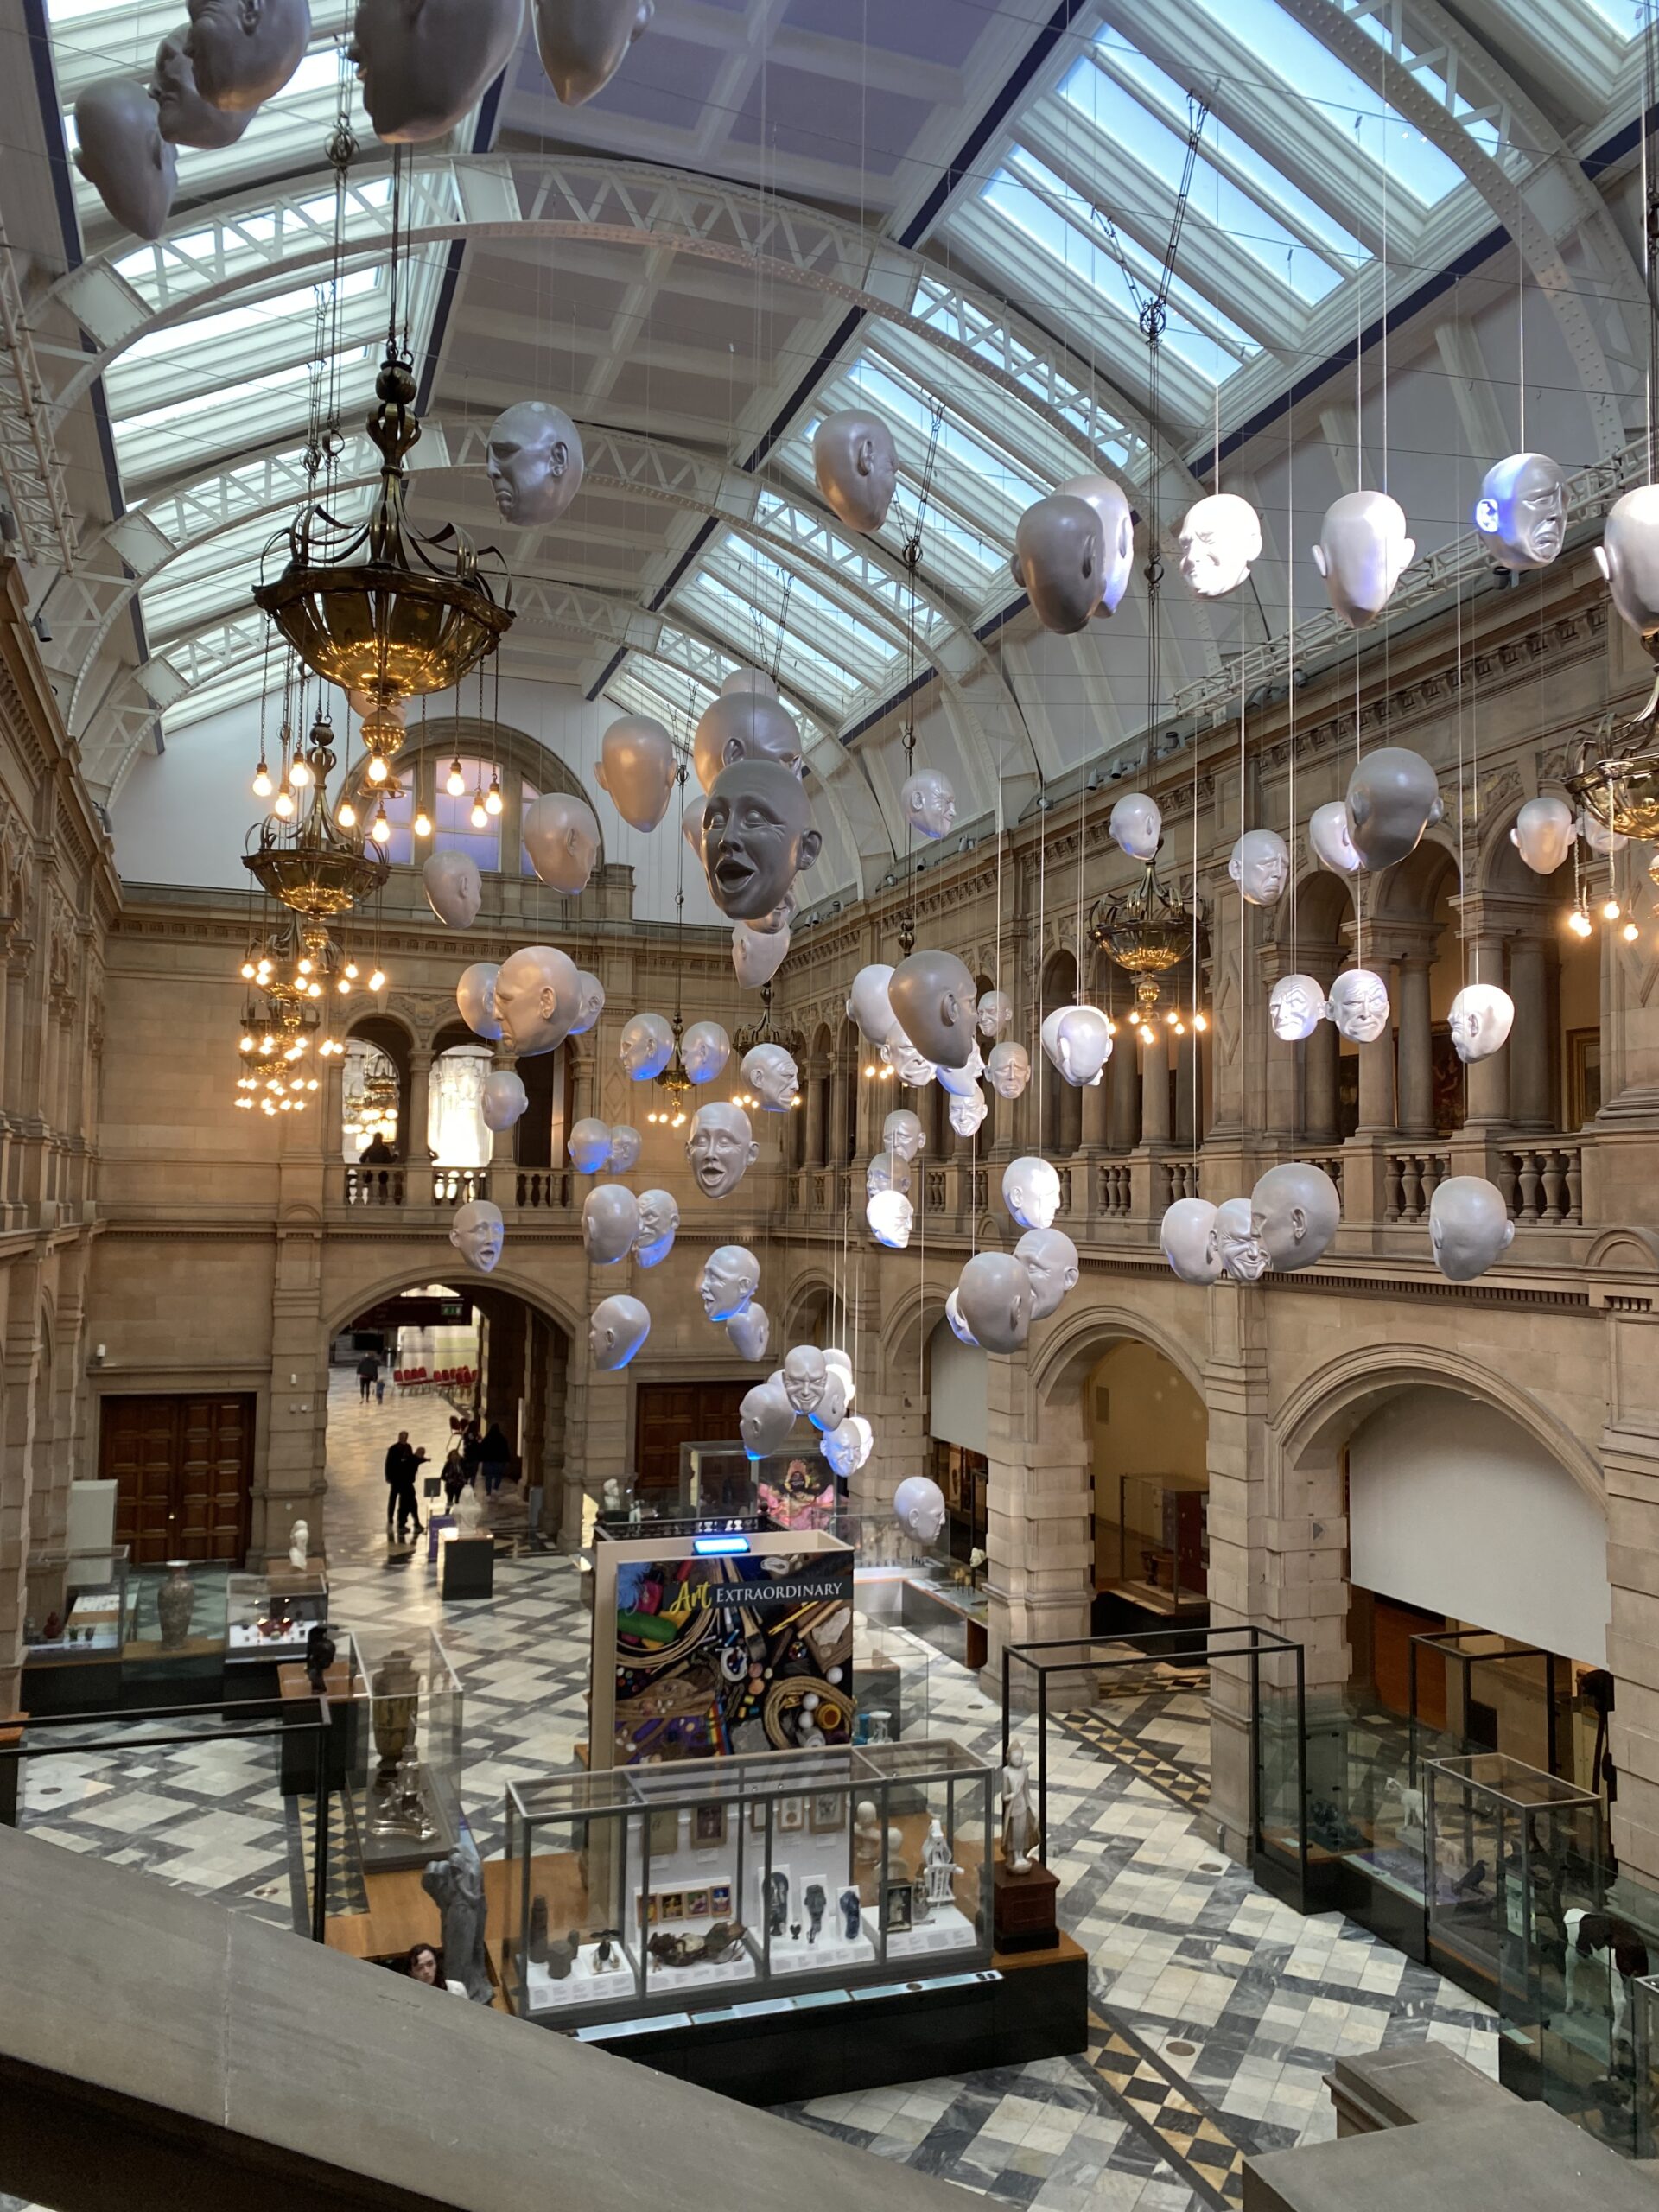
[1616, 787]
[309, 863]
[1147, 932]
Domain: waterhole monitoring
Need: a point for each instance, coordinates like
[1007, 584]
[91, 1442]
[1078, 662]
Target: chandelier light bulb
[305, 965]
[1579, 922]
[1111, 1026]
[282, 804]
[346, 817]
[1180, 1029]
[377, 769]
[423, 825]
[246, 1045]
[380, 831]
[1630, 933]
[1200, 1022]
[1148, 1035]
[492, 796]
[262, 783]
[314, 991]
[248, 970]
[1610, 910]
[352, 970]
[1171, 1015]
[455, 782]
[378, 981]
[344, 985]
[299, 772]
[268, 1044]
[480, 820]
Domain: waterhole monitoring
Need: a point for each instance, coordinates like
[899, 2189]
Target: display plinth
[1025, 1909]
[467, 1567]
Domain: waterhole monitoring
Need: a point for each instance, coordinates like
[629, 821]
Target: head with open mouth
[757, 835]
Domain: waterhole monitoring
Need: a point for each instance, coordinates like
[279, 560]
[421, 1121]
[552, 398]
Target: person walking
[495, 1457]
[454, 1478]
[368, 1374]
[403, 1464]
[469, 1450]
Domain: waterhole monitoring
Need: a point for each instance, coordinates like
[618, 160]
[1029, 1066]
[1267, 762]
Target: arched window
[454, 1123]
[452, 816]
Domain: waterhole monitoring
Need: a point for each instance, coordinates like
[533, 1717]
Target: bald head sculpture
[757, 836]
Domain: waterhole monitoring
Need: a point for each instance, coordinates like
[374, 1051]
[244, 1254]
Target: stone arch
[1081, 1332]
[548, 1303]
[910, 1319]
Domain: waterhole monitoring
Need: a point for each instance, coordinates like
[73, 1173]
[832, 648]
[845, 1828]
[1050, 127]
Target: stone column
[23, 1362]
[838, 1130]
[1155, 1086]
[1123, 1109]
[814, 1111]
[1321, 1120]
[1416, 1048]
[1096, 1100]
[417, 1113]
[871, 1108]
[1189, 1091]
[1489, 1079]
[1530, 1104]
[1040, 1511]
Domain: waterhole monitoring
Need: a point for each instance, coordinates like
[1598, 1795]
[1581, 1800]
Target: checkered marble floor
[1216, 2009]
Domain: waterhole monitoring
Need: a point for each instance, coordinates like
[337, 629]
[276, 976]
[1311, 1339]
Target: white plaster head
[934, 1003]
[1364, 550]
[660, 1223]
[424, 64]
[1031, 1191]
[891, 1218]
[1359, 1005]
[772, 1074]
[636, 766]
[1008, 1067]
[560, 834]
[589, 1145]
[929, 804]
[1479, 1020]
[1597, 834]
[1136, 825]
[887, 1171]
[868, 1005]
[1295, 1212]
[1188, 1238]
[1244, 1255]
[583, 43]
[720, 1147]
[536, 997]
[834, 1356]
[627, 1143]
[913, 1068]
[1058, 554]
[1078, 1041]
[478, 1233]
[183, 116]
[616, 1330]
[902, 1134]
[857, 465]
[120, 151]
[764, 1420]
[1220, 537]
[242, 51]
[1296, 1008]
[691, 823]
[610, 1223]
[475, 997]
[646, 1046]
[967, 1112]
[961, 1082]
[454, 888]
[843, 1447]
[1393, 797]
[1260, 866]
[1544, 834]
[959, 1328]
[757, 837]
[781, 916]
[920, 1504]
[590, 1002]
[744, 726]
[994, 1012]
[503, 1099]
[1332, 838]
[1629, 557]
[750, 1331]
[831, 1408]
[994, 1298]
[1050, 1258]
[757, 954]
[1469, 1226]
[533, 461]
[726, 1281]
[1521, 514]
[1111, 505]
[705, 1049]
[805, 1372]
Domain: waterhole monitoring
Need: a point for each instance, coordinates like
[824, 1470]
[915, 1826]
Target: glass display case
[1155, 1553]
[404, 1787]
[263, 1623]
[660, 1889]
[891, 1669]
[176, 1615]
[943, 1601]
[75, 1603]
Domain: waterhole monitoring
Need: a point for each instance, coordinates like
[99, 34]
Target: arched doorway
[1150, 1435]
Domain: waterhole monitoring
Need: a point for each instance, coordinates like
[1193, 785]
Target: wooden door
[183, 1470]
[672, 1413]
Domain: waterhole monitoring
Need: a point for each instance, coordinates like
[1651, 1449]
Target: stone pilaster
[1040, 1511]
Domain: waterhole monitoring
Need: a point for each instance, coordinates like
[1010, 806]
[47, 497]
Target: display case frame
[90, 1580]
[250, 1601]
[405, 1814]
[1162, 1518]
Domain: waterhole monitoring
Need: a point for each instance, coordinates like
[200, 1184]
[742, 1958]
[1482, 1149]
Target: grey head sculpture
[903, 1135]
[720, 1147]
[1521, 515]
[1480, 1019]
[478, 1233]
[1078, 1041]
[844, 1447]
[424, 64]
[660, 1223]
[891, 1218]
[503, 1099]
[561, 834]
[1136, 825]
[1359, 1005]
[1332, 840]
[185, 118]
[1050, 1258]
[1295, 1213]
[533, 461]
[616, 1329]
[750, 1332]
[1059, 552]
[750, 679]
[123, 156]
[857, 465]
[869, 1005]
[646, 1047]
[1364, 550]
[934, 1003]
[1116, 520]
[610, 1223]
[691, 823]
[1007, 1065]
[929, 804]
[626, 1144]
[913, 1068]
[454, 888]
[1469, 1227]
[765, 1418]
[967, 1114]
[1244, 1255]
[961, 1082]
[536, 996]
[919, 1507]
[994, 1298]
[831, 1409]
[583, 43]
[242, 51]
[757, 954]
[744, 726]
[806, 1372]
[636, 766]
[834, 1356]
[1220, 537]
[590, 1144]
[705, 1049]
[757, 837]
[1296, 1008]
[771, 1073]
[959, 1328]
[1260, 866]
[590, 1002]
[1393, 797]
[1628, 556]
[1031, 1191]
[995, 1011]
[475, 997]
[1189, 1240]
[887, 1171]
[1544, 834]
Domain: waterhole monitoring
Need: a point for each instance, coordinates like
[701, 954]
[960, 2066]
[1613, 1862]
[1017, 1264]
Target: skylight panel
[1627, 17]
[991, 466]
[827, 618]
[278, 313]
[757, 636]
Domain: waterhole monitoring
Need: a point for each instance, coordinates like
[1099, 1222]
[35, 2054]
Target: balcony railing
[423, 1189]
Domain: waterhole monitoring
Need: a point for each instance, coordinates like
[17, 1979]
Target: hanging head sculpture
[1364, 550]
[744, 726]
[536, 994]
[1521, 515]
[583, 43]
[1628, 556]
[757, 837]
[533, 461]
[637, 767]
[1116, 520]
[242, 51]
[857, 465]
[1220, 537]
[560, 834]
[933, 1001]
[185, 118]
[122, 154]
[424, 64]
[720, 1147]
[1058, 554]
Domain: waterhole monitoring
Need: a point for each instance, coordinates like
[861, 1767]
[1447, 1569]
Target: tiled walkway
[1216, 2009]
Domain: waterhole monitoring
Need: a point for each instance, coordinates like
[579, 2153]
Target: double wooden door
[183, 1470]
[669, 1414]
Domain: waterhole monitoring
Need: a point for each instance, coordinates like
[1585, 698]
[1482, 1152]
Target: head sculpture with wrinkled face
[184, 117]
[772, 1074]
[891, 1218]
[757, 837]
[1521, 514]
[1260, 866]
[929, 804]
[1008, 1067]
[534, 462]
[902, 1134]
[1244, 1255]
[730, 1278]
[242, 51]
[1359, 1005]
[1296, 1008]
[1479, 1019]
[1189, 1240]
[646, 1046]
[535, 998]
[660, 1222]
[720, 1147]
[1050, 1258]
[1220, 537]
[1031, 1191]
